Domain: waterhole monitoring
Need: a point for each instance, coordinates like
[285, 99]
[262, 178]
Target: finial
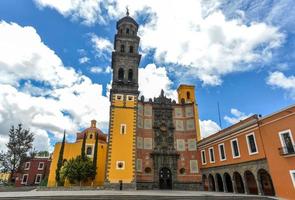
[127, 11]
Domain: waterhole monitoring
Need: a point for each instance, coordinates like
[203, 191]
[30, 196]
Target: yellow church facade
[72, 150]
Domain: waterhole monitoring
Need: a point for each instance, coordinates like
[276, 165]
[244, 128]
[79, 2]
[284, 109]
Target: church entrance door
[165, 179]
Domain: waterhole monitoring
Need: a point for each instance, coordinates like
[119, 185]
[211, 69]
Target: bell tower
[123, 110]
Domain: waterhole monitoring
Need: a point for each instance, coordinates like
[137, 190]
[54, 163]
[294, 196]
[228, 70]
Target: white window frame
[121, 97]
[232, 148]
[191, 164]
[281, 138]
[203, 157]
[220, 157]
[125, 128]
[139, 169]
[292, 177]
[117, 163]
[27, 168]
[23, 179]
[210, 158]
[39, 168]
[248, 144]
[132, 98]
[36, 178]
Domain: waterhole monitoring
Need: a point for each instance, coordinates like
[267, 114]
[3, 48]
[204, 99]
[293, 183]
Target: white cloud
[208, 127]
[102, 46]
[84, 60]
[152, 80]
[279, 80]
[236, 116]
[196, 35]
[62, 99]
[99, 70]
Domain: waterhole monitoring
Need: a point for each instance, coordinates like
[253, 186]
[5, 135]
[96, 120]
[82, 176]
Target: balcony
[287, 150]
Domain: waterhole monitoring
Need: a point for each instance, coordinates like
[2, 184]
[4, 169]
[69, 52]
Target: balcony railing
[287, 150]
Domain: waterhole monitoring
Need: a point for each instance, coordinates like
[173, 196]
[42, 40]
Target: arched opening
[122, 49]
[90, 136]
[130, 75]
[121, 31]
[219, 183]
[89, 151]
[239, 185]
[265, 182]
[250, 182]
[127, 31]
[188, 95]
[131, 49]
[165, 178]
[121, 74]
[211, 183]
[148, 170]
[205, 182]
[182, 171]
[228, 182]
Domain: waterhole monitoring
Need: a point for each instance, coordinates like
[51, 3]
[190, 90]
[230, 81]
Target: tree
[60, 161]
[95, 157]
[83, 155]
[43, 153]
[77, 170]
[19, 144]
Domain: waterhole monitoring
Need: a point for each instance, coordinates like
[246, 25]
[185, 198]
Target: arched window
[89, 151]
[121, 74]
[188, 95]
[127, 31]
[91, 136]
[130, 75]
[131, 49]
[122, 48]
[121, 31]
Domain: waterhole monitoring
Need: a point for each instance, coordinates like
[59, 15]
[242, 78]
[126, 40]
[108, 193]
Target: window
[130, 75]
[131, 49]
[89, 151]
[251, 143]
[192, 146]
[38, 178]
[194, 166]
[139, 142]
[41, 166]
[148, 143]
[292, 174]
[27, 165]
[222, 154]
[121, 31]
[203, 155]
[130, 98]
[120, 165]
[139, 165]
[122, 49]
[180, 145]
[119, 97]
[211, 155]
[121, 74]
[235, 148]
[90, 136]
[127, 31]
[25, 179]
[123, 129]
[148, 170]
[188, 95]
[287, 142]
[182, 171]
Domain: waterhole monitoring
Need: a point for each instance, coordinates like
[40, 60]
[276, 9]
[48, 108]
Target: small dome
[101, 136]
[127, 19]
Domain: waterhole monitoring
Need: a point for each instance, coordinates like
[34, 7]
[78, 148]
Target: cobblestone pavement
[126, 195]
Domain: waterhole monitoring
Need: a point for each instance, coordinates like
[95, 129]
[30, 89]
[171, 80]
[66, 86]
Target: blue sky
[55, 58]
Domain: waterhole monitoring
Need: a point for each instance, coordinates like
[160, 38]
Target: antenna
[219, 115]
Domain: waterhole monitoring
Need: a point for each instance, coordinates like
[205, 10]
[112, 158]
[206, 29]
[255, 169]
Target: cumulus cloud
[152, 80]
[36, 89]
[208, 127]
[280, 80]
[99, 70]
[195, 35]
[236, 116]
[102, 46]
[84, 60]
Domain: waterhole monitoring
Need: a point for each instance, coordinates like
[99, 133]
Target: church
[151, 144]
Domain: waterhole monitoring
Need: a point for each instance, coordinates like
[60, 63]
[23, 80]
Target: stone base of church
[193, 186]
[118, 186]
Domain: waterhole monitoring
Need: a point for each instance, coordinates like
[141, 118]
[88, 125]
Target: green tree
[83, 155]
[95, 157]
[19, 144]
[60, 162]
[77, 170]
[43, 153]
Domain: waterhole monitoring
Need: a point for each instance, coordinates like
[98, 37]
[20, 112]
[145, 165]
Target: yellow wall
[73, 150]
[4, 176]
[182, 94]
[122, 146]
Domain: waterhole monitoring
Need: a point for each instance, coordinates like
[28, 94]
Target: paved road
[125, 195]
